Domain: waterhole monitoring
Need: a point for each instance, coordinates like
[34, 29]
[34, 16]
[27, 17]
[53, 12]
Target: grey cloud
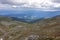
[56, 1]
[10, 2]
[5, 2]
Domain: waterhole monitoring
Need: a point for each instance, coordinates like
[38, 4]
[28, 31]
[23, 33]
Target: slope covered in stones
[39, 30]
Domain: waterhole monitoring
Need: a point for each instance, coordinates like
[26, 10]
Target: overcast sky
[35, 4]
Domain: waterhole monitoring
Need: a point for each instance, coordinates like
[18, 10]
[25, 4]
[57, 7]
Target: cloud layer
[41, 4]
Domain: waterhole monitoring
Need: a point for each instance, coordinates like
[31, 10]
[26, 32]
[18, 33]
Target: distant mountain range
[29, 14]
[25, 18]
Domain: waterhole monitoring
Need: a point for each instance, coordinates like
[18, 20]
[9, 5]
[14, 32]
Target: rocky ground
[44, 29]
